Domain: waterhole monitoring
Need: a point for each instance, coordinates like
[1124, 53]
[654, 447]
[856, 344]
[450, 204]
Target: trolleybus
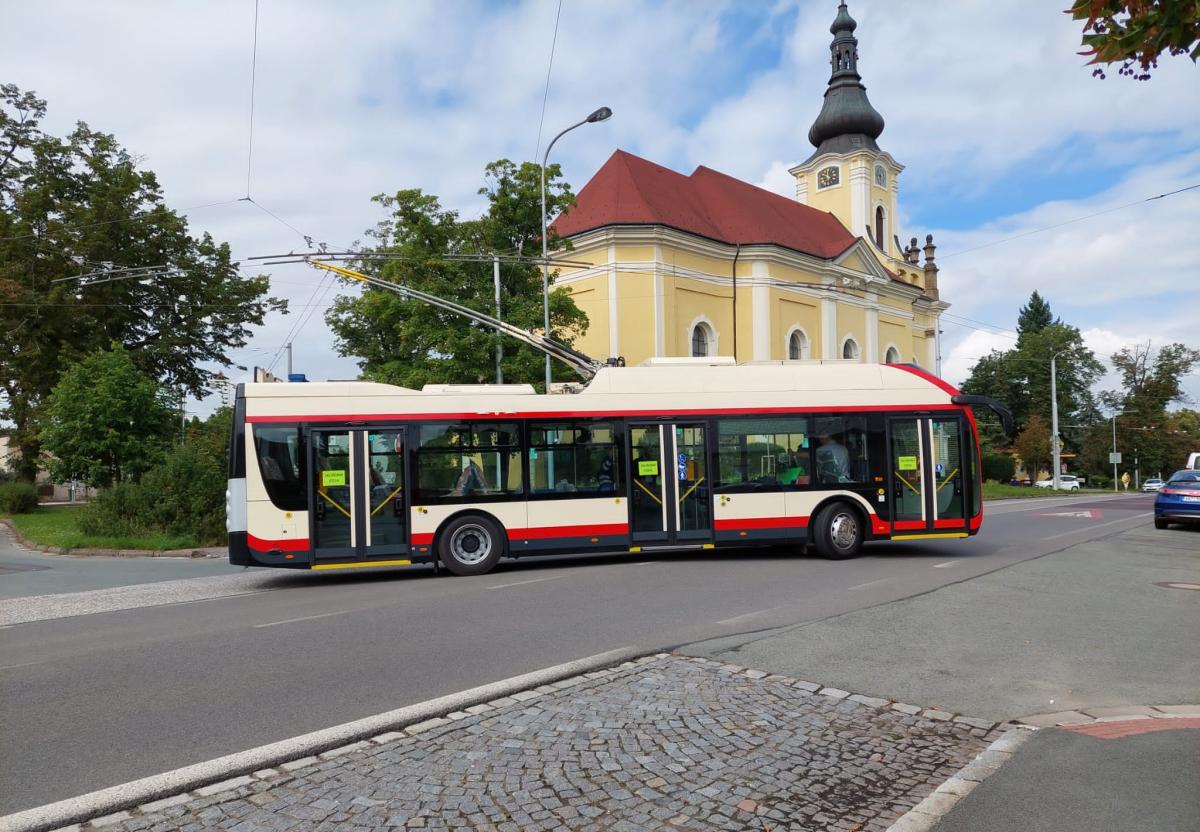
[681, 454]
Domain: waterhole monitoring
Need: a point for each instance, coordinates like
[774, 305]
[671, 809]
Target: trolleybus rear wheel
[838, 531]
[470, 545]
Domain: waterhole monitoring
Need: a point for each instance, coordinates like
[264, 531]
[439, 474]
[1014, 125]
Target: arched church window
[880, 176]
[850, 349]
[828, 177]
[879, 227]
[701, 340]
[797, 346]
[892, 356]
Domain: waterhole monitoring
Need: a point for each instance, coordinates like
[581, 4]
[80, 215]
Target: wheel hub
[843, 531]
[471, 544]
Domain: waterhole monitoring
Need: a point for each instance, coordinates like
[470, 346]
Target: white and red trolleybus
[671, 456]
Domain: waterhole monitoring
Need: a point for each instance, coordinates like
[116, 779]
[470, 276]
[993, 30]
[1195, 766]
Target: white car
[1066, 482]
[1152, 484]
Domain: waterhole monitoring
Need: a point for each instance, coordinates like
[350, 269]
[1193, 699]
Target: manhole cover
[1179, 585]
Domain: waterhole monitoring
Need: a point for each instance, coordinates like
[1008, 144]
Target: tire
[471, 544]
[1159, 523]
[839, 531]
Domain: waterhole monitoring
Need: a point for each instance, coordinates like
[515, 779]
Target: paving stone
[1057, 718]
[940, 716]
[1121, 710]
[159, 805]
[869, 701]
[669, 743]
[974, 722]
[834, 693]
[911, 710]
[1179, 710]
[225, 785]
[343, 749]
[109, 820]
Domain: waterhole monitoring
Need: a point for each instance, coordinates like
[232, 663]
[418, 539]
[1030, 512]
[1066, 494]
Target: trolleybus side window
[469, 461]
[577, 459]
[844, 448]
[281, 461]
[763, 454]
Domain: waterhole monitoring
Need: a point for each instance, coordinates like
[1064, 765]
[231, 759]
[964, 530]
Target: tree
[1136, 33]
[69, 206]
[106, 421]
[406, 342]
[1033, 446]
[1020, 377]
[1035, 315]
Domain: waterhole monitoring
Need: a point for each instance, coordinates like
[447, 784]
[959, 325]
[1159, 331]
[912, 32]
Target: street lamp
[1114, 450]
[603, 114]
[1055, 453]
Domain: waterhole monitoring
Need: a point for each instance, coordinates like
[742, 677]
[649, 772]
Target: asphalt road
[94, 700]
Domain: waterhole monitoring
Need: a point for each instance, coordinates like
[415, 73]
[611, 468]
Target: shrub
[17, 497]
[123, 510]
[997, 467]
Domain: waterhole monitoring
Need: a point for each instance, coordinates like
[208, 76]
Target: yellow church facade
[708, 265]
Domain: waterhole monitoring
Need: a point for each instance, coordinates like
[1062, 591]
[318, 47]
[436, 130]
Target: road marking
[746, 615]
[530, 581]
[646, 562]
[22, 664]
[947, 563]
[302, 618]
[1100, 525]
[871, 583]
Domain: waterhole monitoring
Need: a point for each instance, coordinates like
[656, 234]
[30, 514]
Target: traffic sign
[1114, 458]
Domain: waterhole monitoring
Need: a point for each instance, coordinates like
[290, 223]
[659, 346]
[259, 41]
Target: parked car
[1152, 484]
[1178, 501]
[1066, 482]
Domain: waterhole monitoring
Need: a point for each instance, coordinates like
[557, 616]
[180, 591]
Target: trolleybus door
[358, 494]
[928, 481]
[669, 499]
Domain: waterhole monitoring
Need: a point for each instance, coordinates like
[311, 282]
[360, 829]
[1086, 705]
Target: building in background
[709, 265]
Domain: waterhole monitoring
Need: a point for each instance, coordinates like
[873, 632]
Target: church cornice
[814, 162]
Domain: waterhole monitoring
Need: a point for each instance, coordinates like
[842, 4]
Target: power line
[137, 216]
[546, 94]
[253, 79]
[1069, 222]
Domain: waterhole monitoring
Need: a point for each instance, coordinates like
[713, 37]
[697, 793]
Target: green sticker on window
[907, 463]
[329, 478]
[647, 467]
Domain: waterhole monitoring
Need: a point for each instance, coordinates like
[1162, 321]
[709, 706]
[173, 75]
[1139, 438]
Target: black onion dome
[847, 120]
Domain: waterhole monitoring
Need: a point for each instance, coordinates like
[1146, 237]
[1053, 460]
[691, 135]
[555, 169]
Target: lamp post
[1055, 453]
[602, 114]
[1114, 450]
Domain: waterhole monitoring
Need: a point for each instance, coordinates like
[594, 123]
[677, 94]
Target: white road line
[1100, 525]
[645, 562]
[746, 615]
[947, 563]
[302, 618]
[22, 664]
[530, 581]
[871, 583]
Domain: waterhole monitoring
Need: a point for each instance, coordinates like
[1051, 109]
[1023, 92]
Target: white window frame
[714, 337]
[850, 339]
[899, 355]
[806, 348]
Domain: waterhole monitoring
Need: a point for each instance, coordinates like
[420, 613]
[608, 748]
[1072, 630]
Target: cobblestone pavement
[667, 742]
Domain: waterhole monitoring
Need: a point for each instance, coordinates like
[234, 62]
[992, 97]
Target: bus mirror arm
[1006, 418]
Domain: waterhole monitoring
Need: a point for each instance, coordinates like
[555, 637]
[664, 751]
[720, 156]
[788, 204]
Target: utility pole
[499, 344]
[1054, 450]
[1114, 450]
[289, 350]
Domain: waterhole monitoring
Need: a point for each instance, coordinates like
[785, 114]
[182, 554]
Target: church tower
[848, 174]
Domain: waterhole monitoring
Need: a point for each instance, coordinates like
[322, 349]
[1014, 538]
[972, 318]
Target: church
[708, 265]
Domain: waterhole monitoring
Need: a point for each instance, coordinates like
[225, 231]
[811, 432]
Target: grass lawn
[56, 526]
[997, 491]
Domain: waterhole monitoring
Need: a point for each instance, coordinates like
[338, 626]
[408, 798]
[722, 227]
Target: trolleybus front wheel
[470, 545]
[838, 531]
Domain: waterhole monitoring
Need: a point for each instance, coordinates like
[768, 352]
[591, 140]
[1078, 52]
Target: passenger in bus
[471, 481]
[604, 481]
[833, 461]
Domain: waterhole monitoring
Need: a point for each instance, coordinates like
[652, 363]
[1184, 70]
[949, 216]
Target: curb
[1119, 713]
[107, 553]
[231, 771]
[945, 797]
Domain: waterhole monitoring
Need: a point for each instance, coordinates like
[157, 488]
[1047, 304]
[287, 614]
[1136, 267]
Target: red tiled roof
[629, 190]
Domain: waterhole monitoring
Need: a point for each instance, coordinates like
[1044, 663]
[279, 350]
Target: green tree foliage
[406, 342]
[1020, 377]
[1033, 446]
[17, 497]
[997, 467]
[69, 206]
[1136, 33]
[106, 421]
[183, 495]
[1147, 430]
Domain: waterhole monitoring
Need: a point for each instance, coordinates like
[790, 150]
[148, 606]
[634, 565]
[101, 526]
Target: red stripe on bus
[948, 524]
[879, 526]
[658, 415]
[929, 377]
[546, 532]
[422, 538]
[737, 524]
[977, 520]
[907, 525]
[289, 545]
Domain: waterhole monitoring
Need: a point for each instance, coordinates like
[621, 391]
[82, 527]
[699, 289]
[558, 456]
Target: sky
[1007, 139]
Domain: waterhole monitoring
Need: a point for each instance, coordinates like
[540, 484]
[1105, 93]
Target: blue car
[1178, 500]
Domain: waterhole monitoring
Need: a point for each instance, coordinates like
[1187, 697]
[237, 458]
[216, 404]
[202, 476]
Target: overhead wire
[546, 95]
[253, 85]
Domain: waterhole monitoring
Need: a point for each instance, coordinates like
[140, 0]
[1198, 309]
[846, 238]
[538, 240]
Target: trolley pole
[289, 351]
[499, 343]
[1056, 459]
